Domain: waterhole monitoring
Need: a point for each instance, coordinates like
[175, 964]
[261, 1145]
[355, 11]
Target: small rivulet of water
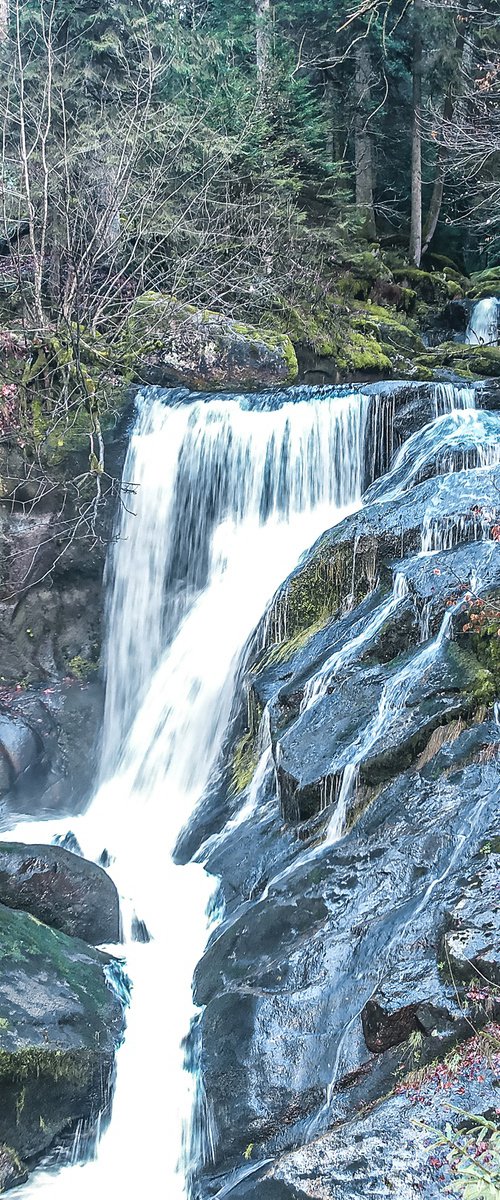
[482, 329]
[319, 684]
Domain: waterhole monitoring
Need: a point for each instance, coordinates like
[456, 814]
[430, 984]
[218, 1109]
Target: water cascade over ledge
[482, 329]
[225, 496]
[225, 499]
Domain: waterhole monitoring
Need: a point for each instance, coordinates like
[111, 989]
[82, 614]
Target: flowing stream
[482, 329]
[226, 499]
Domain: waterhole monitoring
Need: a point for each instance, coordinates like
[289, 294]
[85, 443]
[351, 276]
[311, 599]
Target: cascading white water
[449, 398]
[482, 329]
[227, 500]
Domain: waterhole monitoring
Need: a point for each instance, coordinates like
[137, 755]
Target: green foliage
[81, 668]
[188, 172]
[473, 1153]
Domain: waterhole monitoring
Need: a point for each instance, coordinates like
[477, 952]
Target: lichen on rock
[205, 349]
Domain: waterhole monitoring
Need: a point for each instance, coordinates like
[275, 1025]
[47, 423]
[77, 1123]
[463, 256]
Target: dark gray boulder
[60, 1024]
[61, 889]
[365, 997]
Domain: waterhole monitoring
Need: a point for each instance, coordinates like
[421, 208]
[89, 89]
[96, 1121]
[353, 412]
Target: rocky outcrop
[303, 1014]
[175, 342]
[484, 283]
[352, 983]
[56, 518]
[61, 1021]
[49, 740]
[60, 889]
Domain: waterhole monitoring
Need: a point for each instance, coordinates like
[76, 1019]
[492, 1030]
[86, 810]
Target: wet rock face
[266, 1189]
[470, 944]
[312, 735]
[52, 554]
[354, 974]
[60, 1024]
[50, 577]
[62, 890]
[49, 743]
[367, 996]
[12, 1171]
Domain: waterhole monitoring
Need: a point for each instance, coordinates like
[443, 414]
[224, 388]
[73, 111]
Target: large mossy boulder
[61, 1021]
[177, 343]
[64, 389]
[61, 889]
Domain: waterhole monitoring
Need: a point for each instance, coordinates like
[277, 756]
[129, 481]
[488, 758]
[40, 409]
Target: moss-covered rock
[205, 349]
[470, 362]
[395, 332]
[433, 287]
[65, 390]
[484, 284]
[60, 1023]
[362, 353]
[317, 589]
[243, 763]
[486, 647]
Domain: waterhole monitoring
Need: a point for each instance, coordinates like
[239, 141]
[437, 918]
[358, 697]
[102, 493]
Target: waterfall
[482, 329]
[221, 497]
[449, 398]
[221, 501]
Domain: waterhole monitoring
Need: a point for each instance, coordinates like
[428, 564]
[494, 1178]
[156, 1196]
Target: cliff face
[351, 988]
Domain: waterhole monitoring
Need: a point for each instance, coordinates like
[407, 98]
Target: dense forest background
[325, 175]
[233, 154]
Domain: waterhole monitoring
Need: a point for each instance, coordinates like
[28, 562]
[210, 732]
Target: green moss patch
[394, 331]
[432, 287]
[72, 1066]
[486, 647]
[285, 650]
[244, 762]
[26, 941]
[81, 668]
[485, 284]
[315, 592]
[471, 362]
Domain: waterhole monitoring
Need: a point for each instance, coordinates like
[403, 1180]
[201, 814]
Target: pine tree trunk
[463, 48]
[416, 143]
[466, 68]
[263, 42]
[106, 209]
[363, 141]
